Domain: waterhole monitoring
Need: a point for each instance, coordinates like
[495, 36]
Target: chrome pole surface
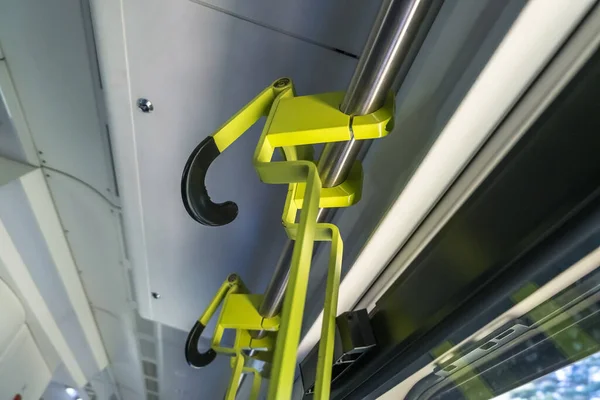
[398, 32]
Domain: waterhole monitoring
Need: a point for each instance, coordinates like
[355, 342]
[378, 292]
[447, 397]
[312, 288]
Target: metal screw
[156, 295]
[232, 278]
[145, 105]
[282, 82]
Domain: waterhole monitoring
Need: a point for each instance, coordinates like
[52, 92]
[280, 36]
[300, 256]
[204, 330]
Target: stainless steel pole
[399, 30]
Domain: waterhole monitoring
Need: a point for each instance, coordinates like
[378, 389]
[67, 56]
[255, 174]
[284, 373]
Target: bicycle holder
[293, 124]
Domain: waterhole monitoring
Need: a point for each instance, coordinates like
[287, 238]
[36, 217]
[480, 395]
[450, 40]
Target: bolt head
[145, 105]
[282, 83]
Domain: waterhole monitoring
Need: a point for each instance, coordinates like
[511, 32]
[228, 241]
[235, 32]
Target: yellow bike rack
[294, 124]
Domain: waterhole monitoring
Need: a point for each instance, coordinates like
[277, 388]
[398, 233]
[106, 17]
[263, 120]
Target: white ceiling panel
[198, 66]
[340, 24]
[40, 331]
[47, 48]
[20, 217]
[92, 228]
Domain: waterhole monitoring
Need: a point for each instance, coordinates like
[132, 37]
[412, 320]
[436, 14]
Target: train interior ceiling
[449, 151]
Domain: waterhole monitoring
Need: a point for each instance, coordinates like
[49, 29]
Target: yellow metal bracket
[239, 313]
[293, 125]
[238, 363]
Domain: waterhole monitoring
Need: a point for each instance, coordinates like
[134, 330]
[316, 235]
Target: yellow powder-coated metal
[307, 119]
[377, 124]
[284, 360]
[327, 343]
[258, 107]
[348, 192]
[293, 124]
[240, 313]
[238, 365]
[304, 233]
[256, 382]
[246, 305]
[232, 285]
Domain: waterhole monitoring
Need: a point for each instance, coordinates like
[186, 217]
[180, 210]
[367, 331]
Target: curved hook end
[193, 357]
[195, 197]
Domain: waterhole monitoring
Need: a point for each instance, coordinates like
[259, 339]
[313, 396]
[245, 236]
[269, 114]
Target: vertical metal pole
[398, 32]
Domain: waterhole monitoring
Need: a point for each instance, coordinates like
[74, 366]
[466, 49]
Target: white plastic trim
[540, 29]
[12, 316]
[47, 218]
[27, 290]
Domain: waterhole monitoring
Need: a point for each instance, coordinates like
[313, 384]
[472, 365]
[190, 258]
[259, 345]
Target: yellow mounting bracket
[238, 365]
[306, 120]
[293, 124]
[239, 313]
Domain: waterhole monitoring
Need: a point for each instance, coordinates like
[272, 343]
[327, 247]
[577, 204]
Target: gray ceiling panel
[198, 66]
[340, 24]
[182, 382]
[92, 228]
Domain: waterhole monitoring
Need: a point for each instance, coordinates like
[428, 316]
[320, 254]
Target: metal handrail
[398, 32]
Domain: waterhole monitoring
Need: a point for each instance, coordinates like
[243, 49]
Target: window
[580, 380]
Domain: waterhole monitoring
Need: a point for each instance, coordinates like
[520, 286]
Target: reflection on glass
[578, 381]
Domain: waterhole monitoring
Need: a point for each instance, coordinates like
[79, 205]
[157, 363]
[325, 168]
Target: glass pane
[578, 381]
